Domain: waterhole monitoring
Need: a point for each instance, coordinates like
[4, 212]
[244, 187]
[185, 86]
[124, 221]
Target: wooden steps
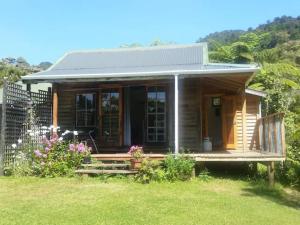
[110, 166]
[124, 157]
[99, 171]
[106, 165]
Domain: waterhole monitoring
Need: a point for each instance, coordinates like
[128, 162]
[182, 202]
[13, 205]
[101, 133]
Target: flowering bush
[58, 157]
[136, 152]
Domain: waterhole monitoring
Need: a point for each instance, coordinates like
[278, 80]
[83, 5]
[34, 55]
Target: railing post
[176, 115]
[3, 128]
[55, 107]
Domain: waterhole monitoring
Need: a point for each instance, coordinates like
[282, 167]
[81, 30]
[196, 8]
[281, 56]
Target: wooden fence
[21, 110]
[271, 134]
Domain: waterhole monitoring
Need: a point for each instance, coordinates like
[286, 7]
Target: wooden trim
[121, 115]
[283, 138]
[244, 120]
[55, 106]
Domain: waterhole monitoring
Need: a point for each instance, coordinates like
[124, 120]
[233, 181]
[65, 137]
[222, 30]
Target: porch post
[176, 138]
[3, 127]
[55, 107]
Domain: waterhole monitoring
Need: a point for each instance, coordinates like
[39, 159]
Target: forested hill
[280, 30]
[14, 68]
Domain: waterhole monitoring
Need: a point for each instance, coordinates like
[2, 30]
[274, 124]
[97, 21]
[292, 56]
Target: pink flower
[80, 147]
[72, 147]
[38, 153]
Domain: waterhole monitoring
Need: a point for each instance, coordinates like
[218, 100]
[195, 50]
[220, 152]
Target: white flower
[28, 131]
[67, 131]
[37, 132]
[60, 139]
[63, 134]
[14, 145]
[75, 132]
[54, 129]
[44, 127]
[31, 134]
[19, 141]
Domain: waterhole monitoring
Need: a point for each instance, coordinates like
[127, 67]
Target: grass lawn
[92, 201]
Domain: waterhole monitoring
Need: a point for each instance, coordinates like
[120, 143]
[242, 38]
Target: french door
[111, 117]
[156, 121]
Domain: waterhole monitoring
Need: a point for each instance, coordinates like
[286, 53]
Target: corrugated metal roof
[133, 62]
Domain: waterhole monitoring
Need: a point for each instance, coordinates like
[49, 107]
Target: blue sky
[44, 30]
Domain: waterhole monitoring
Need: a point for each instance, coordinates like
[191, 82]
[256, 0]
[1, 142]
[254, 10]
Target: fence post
[3, 128]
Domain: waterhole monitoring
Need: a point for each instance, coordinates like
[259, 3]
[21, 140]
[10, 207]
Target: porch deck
[214, 156]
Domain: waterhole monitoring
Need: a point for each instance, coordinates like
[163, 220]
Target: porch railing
[271, 134]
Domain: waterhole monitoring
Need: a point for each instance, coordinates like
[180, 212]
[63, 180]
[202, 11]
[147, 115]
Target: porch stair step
[98, 171]
[106, 165]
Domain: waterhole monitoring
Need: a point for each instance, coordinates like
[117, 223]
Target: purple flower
[72, 147]
[80, 147]
[47, 149]
[38, 153]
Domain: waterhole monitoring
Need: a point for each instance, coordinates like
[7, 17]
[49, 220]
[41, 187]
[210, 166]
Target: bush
[58, 158]
[150, 171]
[55, 157]
[179, 167]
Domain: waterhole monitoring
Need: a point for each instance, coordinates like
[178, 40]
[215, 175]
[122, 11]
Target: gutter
[136, 75]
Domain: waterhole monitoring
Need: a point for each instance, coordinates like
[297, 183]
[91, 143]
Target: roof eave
[136, 75]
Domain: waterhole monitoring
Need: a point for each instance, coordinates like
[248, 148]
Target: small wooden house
[164, 98]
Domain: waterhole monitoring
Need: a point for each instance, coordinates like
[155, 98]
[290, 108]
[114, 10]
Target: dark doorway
[137, 114]
[215, 124]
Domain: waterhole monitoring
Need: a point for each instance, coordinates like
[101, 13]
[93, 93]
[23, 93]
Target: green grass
[92, 201]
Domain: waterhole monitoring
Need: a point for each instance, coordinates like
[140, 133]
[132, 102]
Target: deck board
[215, 156]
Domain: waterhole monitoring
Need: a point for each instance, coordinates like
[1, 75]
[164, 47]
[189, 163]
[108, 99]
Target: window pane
[151, 120]
[85, 109]
[90, 101]
[90, 118]
[160, 138]
[80, 118]
[80, 102]
[160, 106]
[105, 96]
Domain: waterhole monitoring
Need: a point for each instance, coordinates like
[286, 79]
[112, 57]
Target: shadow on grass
[257, 186]
[287, 197]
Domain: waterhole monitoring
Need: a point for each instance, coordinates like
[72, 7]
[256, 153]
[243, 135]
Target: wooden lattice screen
[17, 108]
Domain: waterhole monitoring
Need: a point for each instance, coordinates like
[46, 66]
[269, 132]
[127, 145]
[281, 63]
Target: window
[85, 110]
[110, 130]
[156, 114]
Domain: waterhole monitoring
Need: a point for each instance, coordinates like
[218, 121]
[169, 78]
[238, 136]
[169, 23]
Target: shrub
[179, 167]
[150, 171]
[58, 158]
[204, 175]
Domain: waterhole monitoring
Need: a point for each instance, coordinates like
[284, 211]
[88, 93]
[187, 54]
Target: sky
[44, 30]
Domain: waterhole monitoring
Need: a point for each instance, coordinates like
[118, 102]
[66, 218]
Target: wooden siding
[189, 114]
[252, 114]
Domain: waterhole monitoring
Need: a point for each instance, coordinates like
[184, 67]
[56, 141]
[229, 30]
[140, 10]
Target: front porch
[167, 115]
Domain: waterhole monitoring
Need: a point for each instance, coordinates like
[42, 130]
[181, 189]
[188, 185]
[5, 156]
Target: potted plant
[137, 155]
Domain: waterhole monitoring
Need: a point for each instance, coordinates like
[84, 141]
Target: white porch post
[176, 138]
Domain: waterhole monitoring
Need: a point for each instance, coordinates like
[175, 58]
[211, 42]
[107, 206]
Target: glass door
[110, 117]
[156, 115]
